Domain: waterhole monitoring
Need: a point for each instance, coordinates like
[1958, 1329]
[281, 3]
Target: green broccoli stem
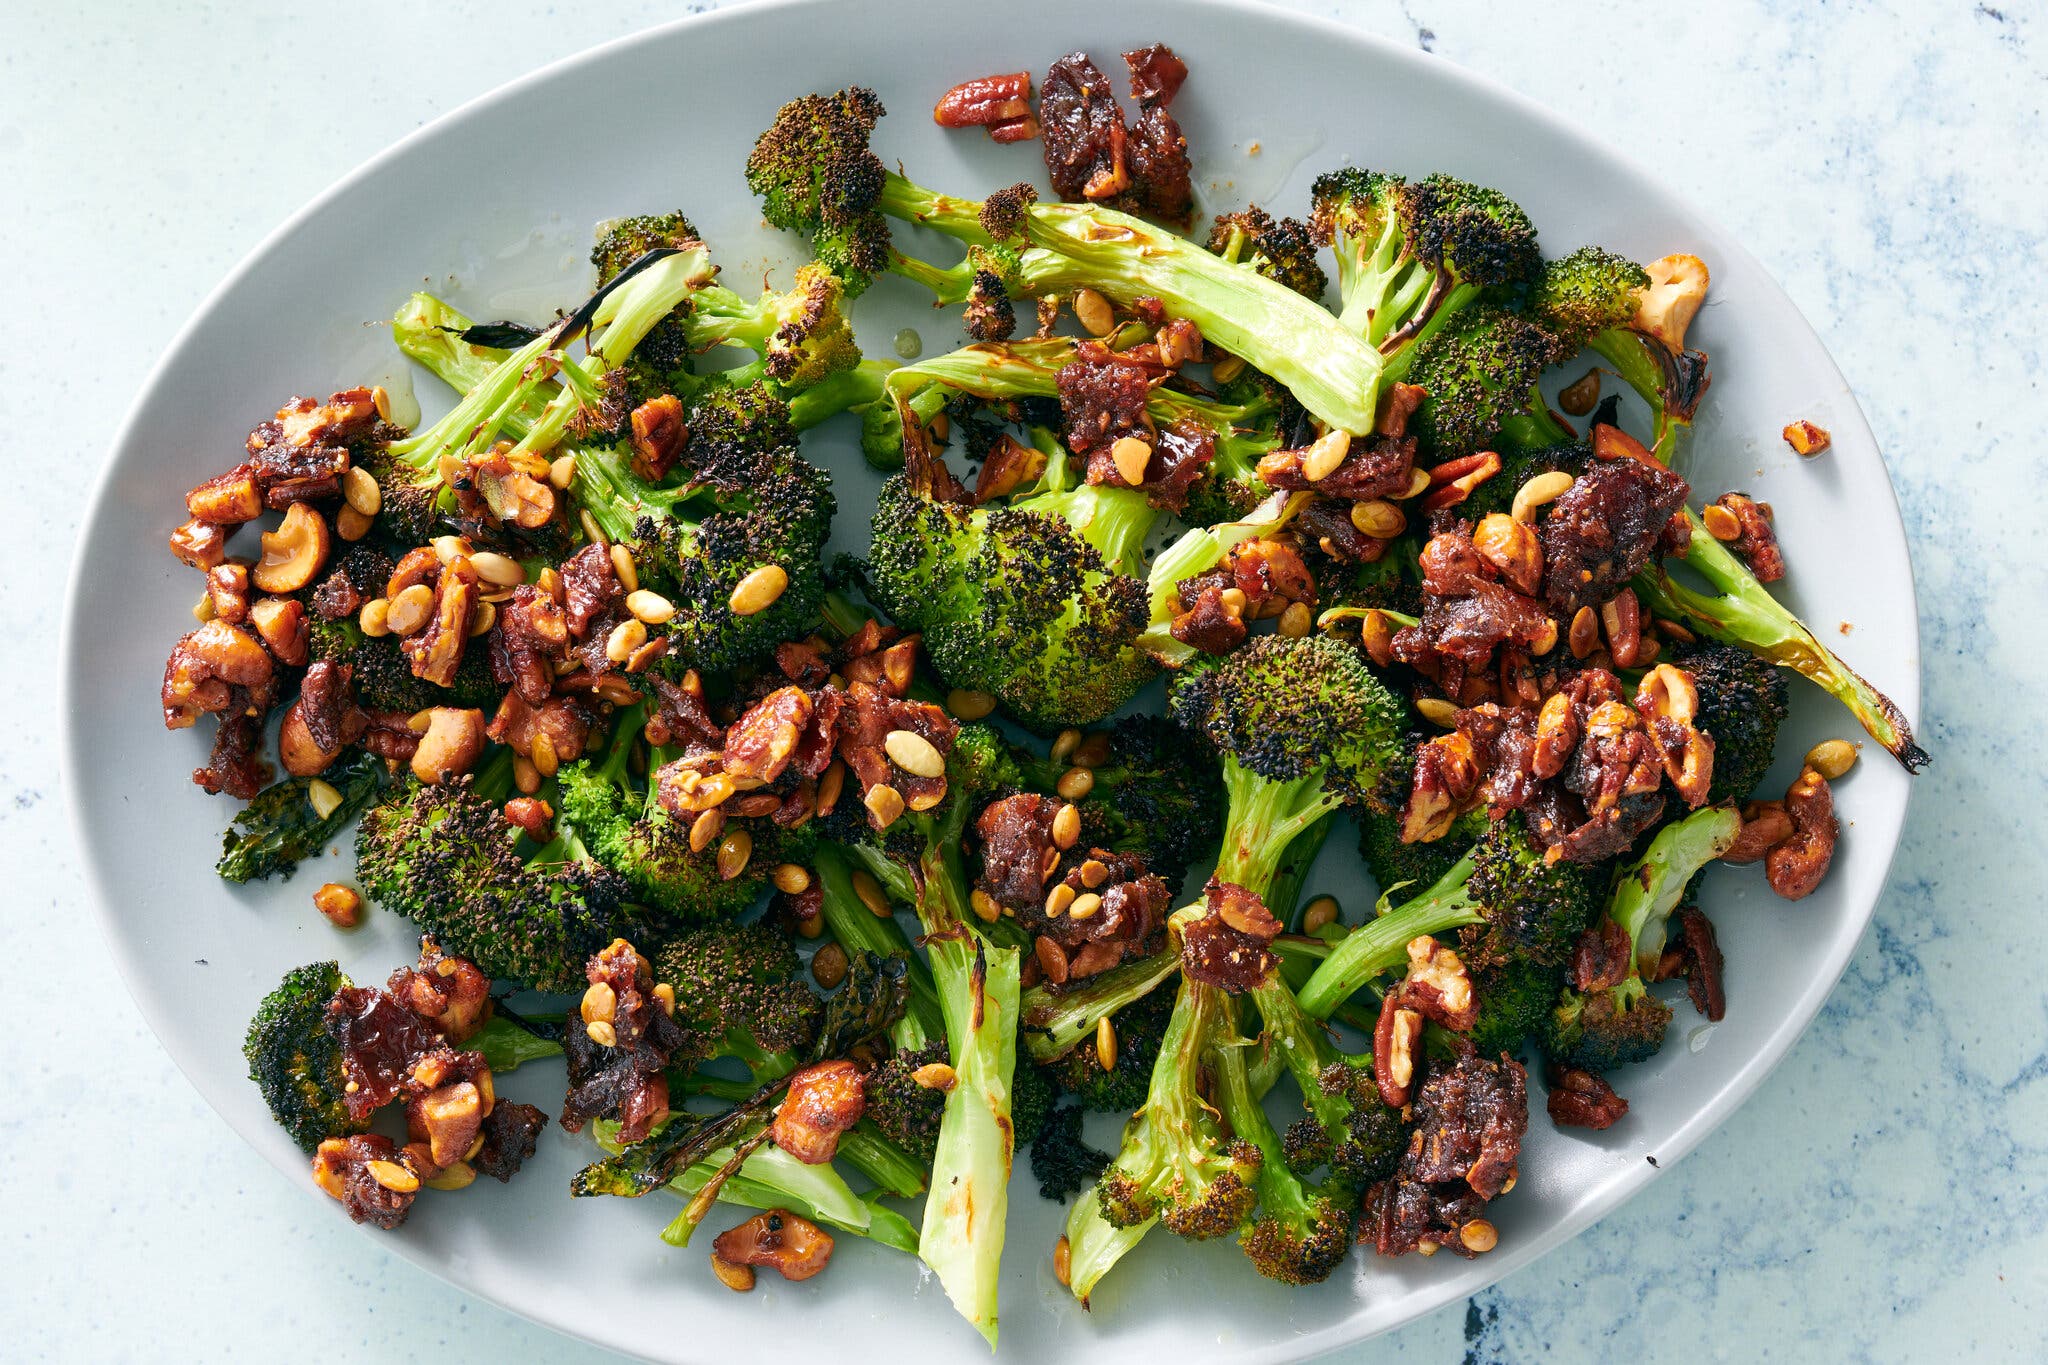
[1381, 944]
[1299, 956]
[1330, 369]
[858, 929]
[1263, 820]
[1647, 893]
[1283, 892]
[1740, 612]
[616, 497]
[1281, 1196]
[493, 781]
[506, 1046]
[1630, 353]
[1094, 1244]
[864, 1147]
[1054, 1024]
[1303, 1047]
[1196, 551]
[842, 391]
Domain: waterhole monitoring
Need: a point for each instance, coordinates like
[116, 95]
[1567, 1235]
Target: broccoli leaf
[280, 828]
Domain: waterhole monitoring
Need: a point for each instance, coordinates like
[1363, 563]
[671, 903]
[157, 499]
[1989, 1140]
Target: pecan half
[1583, 1099]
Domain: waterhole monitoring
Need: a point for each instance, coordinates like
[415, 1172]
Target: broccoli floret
[381, 676]
[1411, 254]
[802, 336]
[1586, 293]
[1535, 909]
[446, 858]
[1139, 1027]
[739, 988]
[1608, 1028]
[1175, 1164]
[1347, 1127]
[664, 356]
[1481, 370]
[752, 504]
[1742, 703]
[296, 1062]
[279, 828]
[1283, 250]
[1032, 1097]
[1302, 1232]
[1061, 1163]
[1515, 1000]
[1418, 866]
[815, 175]
[908, 1113]
[1154, 794]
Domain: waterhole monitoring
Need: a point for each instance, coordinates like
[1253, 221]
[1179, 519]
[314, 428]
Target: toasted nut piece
[499, 570]
[1512, 547]
[295, 747]
[738, 1278]
[829, 966]
[1418, 484]
[1668, 692]
[392, 1176]
[626, 637]
[708, 825]
[342, 906]
[885, 804]
[1540, 491]
[1084, 905]
[1546, 641]
[1319, 914]
[1765, 825]
[409, 611]
[1062, 1252]
[1395, 1039]
[734, 851]
[1105, 1043]
[914, 753]
[294, 552]
[665, 995]
[280, 622]
[459, 1176]
[759, 590]
[1579, 397]
[1806, 438]
[323, 797]
[1376, 633]
[604, 1035]
[1058, 899]
[600, 1003]
[352, 525]
[375, 617]
[1720, 522]
[1066, 827]
[1064, 744]
[562, 471]
[1622, 617]
[200, 544]
[984, 906]
[1324, 454]
[1678, 285]
[486, 617]
[935, 1076]
[1296, 621]
[360, 491]
[1479, 1236]
[1831, 758]
[870, 892]
[1437, 711]
[650, 607]
[451, 746]
[627, 571]
[1093, 312]
[1092, 751]
[1131, 455]
[1378, 518]
[1584, 636]
[226, 499]
[968, 704]
[1075, 783]
[1795, 867]
[1094, 873]
[791, 879]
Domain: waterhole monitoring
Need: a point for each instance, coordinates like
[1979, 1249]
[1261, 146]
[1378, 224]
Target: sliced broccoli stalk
[1380, 945]
[279, 828]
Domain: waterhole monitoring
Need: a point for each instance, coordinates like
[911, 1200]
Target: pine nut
[1296, 620]
[830, 785]
[408, 611]
[707, 826]
[361, 491]
[545, 760]
[870, 892]
[1322, 457]
[340, 904]
[913, 753]
[562, 472]
[486, 617]
[650, 607]
[734, 851]
[792, 879]
[885, 803]
[1437, 711]
[1578, 397]
[1379, 519]
[600, 1003]
[350, 524]
[665, 996]
[591, 530]
[1721, 523]
[1066, 827]
[1062, 1251]
[984, 906]
[322, 797]
[202, 610]
[500, 570]
[1584, 635]
[1831, 758]
[811, 926]
[1132, 455]
[968, 704]
[1234, 601]
[1075, 783]
[1057, 900]
[1479, 1236]
[1093, 872]
[1418, 484]
[460, 1176]
[936, 1076]
[759, 590]
[738, 1278]
[1064, 744]
[1085, 904]
[622, 565]
[1094, 314]
[604, 1035]
[1319, 914]
[1105, 1043]
[1227, 369]
[392, 1176]
[1539, 491]
[1547, 641]
[525, 776]
[1093, 751]
[828, 966]
[626, 637]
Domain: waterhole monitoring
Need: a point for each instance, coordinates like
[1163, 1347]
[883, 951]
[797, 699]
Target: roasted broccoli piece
[1139, 1028]
[816, 175]
[1518, 465]
[1590, 299]
[296, 1062]
[1481, 369]
[909, 1113]
[1403, 870]
[739, 988]
[1380, 944]
[802, 335]
[1061, 1162]
[1613, 1027]
[1153, 794]
[1742, 703]
[1516, 997]
[446, 858]
[1535, 909]
[381, 676]
[1283, 250]
[1302, 1232]
[279, 829]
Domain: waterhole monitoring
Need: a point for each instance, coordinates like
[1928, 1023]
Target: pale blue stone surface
[1884, 1196]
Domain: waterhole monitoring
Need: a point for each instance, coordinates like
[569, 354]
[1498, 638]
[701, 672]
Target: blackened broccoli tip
[1534, 908]
[1478, 234]
[1287, 709]
[907, 1112]
[1351, 202]
[742, 982]
[990, 315]
[1606, 1030]
[1032, 1097]
[381, 676]
[296, 1062]
[1515, 1000]
[447, 859]
[1283, 249]
[1061, 1161]
[1588, 291]
[816, 175]
[1480, 370]
[1348, 1127]
[802, 334]
[1011, 602]
[1002, 213]
[407, 496]
[1742, 701]
[1300, 1232]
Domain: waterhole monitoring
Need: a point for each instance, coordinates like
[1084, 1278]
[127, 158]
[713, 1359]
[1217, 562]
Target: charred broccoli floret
[296, 1062]
[739, 989]
[1742, 703]
[381, 676]
[1481, 370]
[446, 858]
[816, 176]
[1153, 794]
[1061, 1162]
[1283, 249]
[1415, 867]
[1604, 1029]
[909, 1113]
[1139, 1028]
[1535, 909]
[1516, 998]
[802, 335]
[1302, 1232]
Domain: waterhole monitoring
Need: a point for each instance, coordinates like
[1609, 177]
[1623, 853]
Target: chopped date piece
[1327, 522]
[1180, 452]
[803, 662]
[1604, 528]
[448, 992]
[1371, 468]
[531, 637]
[1756, 541]
[235, 767]
[1271, 573]
[1102, 397]
[680, 717]
[1161, 186]
[777, 1240]
[1401, 1215]
[565, 721]
[1469, 1121]
[370, 1176]
[1700, 962]
[823, 1101]
[864, 722]
[1126, 918]
[435, 649]
[618, 1056]
[658, 436]
[1016, 839]
[1602, 958]
[1207, 623]
[510, 1132]
[592, 588]
[1230, 946]
[1083, 127]
[1157, 74]
[382, 1042]
[1584, 1099]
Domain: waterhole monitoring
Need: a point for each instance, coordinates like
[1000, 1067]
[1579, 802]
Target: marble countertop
[1885, 1194]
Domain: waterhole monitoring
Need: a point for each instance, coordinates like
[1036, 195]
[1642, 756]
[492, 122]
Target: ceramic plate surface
[493, 207]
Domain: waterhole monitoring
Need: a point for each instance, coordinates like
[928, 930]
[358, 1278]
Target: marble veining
[1885, 1194]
